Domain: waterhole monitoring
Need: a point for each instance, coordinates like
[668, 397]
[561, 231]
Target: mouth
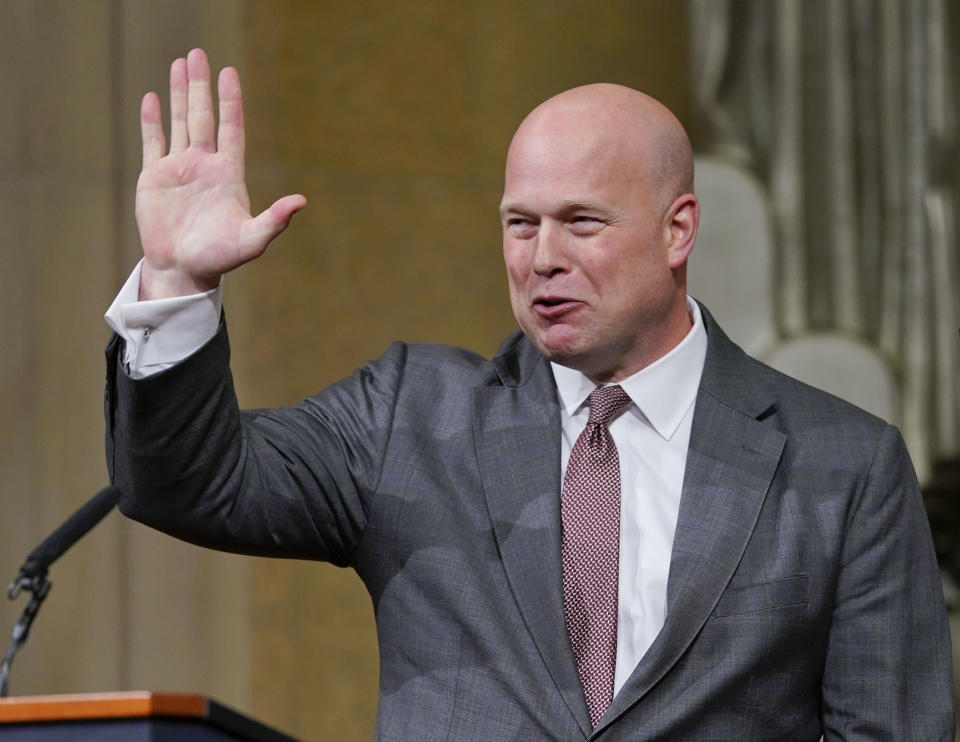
[552, 307]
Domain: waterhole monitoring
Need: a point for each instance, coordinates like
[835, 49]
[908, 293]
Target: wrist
[166, 283]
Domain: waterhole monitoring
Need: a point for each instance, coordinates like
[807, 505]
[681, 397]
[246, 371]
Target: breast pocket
[764, 596]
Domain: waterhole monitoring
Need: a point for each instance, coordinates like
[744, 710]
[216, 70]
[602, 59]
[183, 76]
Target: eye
[586, 225]
[520, 227]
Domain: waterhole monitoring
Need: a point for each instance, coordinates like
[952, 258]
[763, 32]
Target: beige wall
[129, 608]
[392, 117]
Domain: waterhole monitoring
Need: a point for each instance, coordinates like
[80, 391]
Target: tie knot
[605, 403]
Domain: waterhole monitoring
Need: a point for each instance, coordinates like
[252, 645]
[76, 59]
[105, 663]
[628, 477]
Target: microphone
[72, 530]
[33, 574]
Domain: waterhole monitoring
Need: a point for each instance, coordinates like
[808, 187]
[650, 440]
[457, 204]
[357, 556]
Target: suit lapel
[731, 462]
[517, 432]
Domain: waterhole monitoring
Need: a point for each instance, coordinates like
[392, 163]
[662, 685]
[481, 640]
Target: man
[704, 549]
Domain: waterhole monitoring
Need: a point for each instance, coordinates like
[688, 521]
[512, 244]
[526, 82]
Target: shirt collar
[662, 391]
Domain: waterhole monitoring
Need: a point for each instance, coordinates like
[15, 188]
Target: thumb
[265, 226]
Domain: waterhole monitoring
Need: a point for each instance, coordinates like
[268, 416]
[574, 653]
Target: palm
[191, 208]
[193, 211]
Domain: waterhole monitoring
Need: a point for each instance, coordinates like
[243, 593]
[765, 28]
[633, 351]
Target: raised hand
[193, 210]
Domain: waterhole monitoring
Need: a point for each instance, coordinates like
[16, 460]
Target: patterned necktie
[590, 515]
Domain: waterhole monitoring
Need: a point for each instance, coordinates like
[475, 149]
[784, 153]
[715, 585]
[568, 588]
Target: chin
[561, 344]
[585, 360]
[565, 355]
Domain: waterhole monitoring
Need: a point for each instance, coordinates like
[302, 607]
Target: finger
[151, 129]
[178, 106]
[261, 229]
[230, 134]
[199, 101]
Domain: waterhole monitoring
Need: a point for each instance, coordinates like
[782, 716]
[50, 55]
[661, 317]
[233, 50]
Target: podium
[134, 716]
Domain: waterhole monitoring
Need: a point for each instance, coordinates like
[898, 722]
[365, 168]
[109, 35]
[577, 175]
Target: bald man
[763, 572]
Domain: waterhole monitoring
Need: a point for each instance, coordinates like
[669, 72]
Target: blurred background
[827, 159]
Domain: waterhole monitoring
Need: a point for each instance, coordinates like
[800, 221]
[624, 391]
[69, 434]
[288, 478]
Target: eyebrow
[566, 207]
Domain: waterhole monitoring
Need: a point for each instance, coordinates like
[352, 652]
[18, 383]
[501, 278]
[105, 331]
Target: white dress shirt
[652, 438]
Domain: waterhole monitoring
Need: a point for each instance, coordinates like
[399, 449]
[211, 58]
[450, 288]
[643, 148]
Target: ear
[682, 222]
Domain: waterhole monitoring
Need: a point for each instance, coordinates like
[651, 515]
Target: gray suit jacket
[803, 595]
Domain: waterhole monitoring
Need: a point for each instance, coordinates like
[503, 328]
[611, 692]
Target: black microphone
[33, 573]
[73, 529]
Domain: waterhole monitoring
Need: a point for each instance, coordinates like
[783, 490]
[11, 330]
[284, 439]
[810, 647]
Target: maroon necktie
[590, 515]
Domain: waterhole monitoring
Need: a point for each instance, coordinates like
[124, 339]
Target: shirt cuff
[161, 332]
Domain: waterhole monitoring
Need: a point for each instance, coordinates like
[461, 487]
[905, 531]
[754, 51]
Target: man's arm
[176, 444]
[888, 668]
[292, 482]
[192, 206]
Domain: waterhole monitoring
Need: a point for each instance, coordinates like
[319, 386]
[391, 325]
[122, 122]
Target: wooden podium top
[121, 705]
[149, 706]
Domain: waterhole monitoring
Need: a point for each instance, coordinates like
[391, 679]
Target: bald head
[598, 220]
[635, 131]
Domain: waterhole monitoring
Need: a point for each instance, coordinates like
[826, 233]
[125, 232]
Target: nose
[550, 256]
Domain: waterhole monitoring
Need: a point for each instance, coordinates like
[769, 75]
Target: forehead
[571, 162]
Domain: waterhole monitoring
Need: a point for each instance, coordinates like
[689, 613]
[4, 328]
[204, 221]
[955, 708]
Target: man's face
[585, 242]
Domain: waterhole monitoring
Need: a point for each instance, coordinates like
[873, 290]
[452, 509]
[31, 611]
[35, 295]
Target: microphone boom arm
[33, 573]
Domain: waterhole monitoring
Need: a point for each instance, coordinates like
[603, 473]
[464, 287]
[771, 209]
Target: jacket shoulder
[758, 389]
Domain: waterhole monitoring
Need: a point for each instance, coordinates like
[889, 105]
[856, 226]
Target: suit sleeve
[293, 482]
[888, 672]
